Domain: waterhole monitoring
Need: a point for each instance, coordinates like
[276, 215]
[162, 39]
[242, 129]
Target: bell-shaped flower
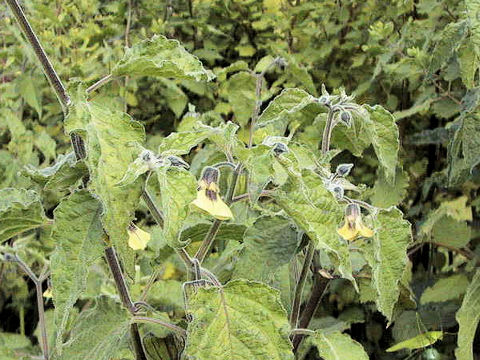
[208, 199]
[137, 238]
[354, 226]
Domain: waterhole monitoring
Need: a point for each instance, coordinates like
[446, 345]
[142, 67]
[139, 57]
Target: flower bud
[343, 169]
[346, 118]
[280, 148]
[177, 161]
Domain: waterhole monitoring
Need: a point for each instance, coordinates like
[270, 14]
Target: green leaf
[98, 332]
[473, 16]
[315, 210]
[112, 139]
[289, 105]
[178, 189]
[468, 317]
[418, 342]
[464, 150]
[30, 92]
[386, 194]
[449, 288]
[78, 236]
[337, 346]
[46, 145]
[11, 343]
[161, 57]
[180, 143]
[226, 232]
[64, 173]
[450, 39]
[390, 243]
[241, 95]
[241, 320]
[175, 97]
[20, 210]
[469, 63]
[270, 243]
[383, 133]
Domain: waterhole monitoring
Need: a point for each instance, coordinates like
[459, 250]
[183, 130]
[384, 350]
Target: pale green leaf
[241, 320]
[78, 237]
[450, 39]
[472, 8]
[269, 244]
[20, 210]
[383, 133]
[98, 332]
[337, 346]
[178, 189]
[226, 232]
[468, 318]
[469, 63]
[46, 144]
[174, 96]
[390, 244]
[418, 342]
[316, 211]
[445, 289]
[241, 95]
[161, 57]
[387, 194]
[112, 139]
[30, 92]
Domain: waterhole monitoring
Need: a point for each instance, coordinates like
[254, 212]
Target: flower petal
[221, 211]
[365, 231]
[347, 233]
[138, 238]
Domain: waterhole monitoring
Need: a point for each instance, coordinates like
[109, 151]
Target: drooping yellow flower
[208, 199]
[137, 238]
[47, 293]
[354, 226]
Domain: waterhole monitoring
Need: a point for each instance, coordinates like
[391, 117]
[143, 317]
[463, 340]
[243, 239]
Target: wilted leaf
[78, 237]
[162, 57]
[468, 318]
[242, 320]
[20, 210]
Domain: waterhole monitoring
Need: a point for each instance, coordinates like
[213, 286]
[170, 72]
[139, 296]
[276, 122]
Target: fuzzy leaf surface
[337, 346]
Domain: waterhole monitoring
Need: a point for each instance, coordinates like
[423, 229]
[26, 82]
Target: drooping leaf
[178, 189]
[78, 237]
[161, 57]
[418, 342]
[98, 332]
[64, 173]
[112, 138]
[449, 288]
[337, 346]
[390, 243]
[241, 320]
[20, 210]
[384, 135]
[468, 318]
[269, 244]
[315, 210]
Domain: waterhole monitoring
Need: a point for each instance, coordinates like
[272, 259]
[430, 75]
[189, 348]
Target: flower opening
[354, 226]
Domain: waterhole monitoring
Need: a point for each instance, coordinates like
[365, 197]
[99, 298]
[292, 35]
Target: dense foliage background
[418, 59]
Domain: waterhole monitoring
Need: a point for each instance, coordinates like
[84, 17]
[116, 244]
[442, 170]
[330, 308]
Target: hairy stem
[106, 79]
[177, 329]
[207, 243]
[327, 132]
[120, 282]
[297, 300]
[41, 319]
[137, 343]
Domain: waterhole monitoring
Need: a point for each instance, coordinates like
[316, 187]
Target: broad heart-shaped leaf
[242, 320]
[78, 240]
[390, 243]
[64, 173]
[20, 210]
[240, 90]
[383, 133]
[270, 243]
[178, 189]
[468, 318]
[386, 194]
[112, 139]
[337, 346]
[450, 39]
[418, 342]
[316, 211]
[161, 57]
[288, 105]
[98, 332]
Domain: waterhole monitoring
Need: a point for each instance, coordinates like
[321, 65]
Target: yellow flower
[137, 238]
[208, 200]
[354, 225]
[47, 293]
